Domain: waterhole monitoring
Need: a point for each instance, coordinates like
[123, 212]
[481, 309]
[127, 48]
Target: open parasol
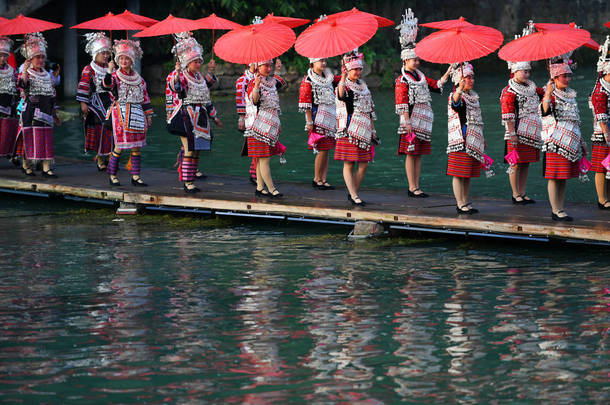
[448, 24]
[168, 26]
[335, 36]
[254, 43]
[381, 21]
[544, 44]
[213, 22]
[289, 22]
[26, 25]
[109, 22]
[140, 19]
[550, 26]
[459, 44]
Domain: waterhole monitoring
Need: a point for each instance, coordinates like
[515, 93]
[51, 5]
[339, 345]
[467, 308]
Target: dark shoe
[528, 200]
[419, 195]
[191, 190]
[114, 182]
[358, 203]
[14, 161]
[138, 182]
[200, 175]
[326, 186]
[314, 184]
[261, 193]
[460, 210]
[28, 172]
[603, 206]
[101, 168]
[253, 180]
[275, 195]
[556, 217]
[49, 174]
[518, 202]
[349, 198]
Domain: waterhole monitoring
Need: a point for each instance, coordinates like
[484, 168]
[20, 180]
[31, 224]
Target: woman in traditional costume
[600, 105]
[563, 142]
[412, 96]
[191, 107]
[39, 113]
[131, 111]
[241, 85]
[355, 130]
[317, 101]
[263, 125]
[8, 100]
[519, 102]
[466, 143]
[95, 99]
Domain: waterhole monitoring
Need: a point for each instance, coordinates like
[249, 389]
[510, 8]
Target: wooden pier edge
[267, 208]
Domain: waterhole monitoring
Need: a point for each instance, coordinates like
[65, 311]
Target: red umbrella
[608, 24]
[140, 19]
[26, 25]
[544, 44]
[549, 27]
[334, 36]
[254, 43]
[171, 25]
[290, 22]
[459, 44]
[213, 22]
[109, 22]
[448, 24]
[2, 19]
[381, 21]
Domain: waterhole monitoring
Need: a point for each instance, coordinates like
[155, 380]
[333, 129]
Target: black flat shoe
[326, 186]
[314, 184]
[528, 200]
[191, 190]
[278, 195]
[358, 204]
[461, 211]
[138, 182]
[200, 175]
[420, 195]
[603, 206]
[261, 193]
[114, 182]
[349, 198]
[49, 174]
[28, 172]
[101, 168]
[253, 180]
[14, 161]
[518, 202]
[556, 217]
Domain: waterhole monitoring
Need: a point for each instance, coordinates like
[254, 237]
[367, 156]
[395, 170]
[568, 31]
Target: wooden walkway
[230, 195]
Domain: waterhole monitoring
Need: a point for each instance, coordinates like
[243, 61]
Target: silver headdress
[97, 42]
[127, 47]
[187, 49]
[408, 35]
[523, 65]
[603, 63]
[460, 70]
[559, 65]
[34, 44]
[5, 45]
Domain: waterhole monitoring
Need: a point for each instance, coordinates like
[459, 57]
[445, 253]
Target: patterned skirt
[556, 167]
[599, 153]
[461, 164]
[38, 143]
[129, 132]
[325, 144]
[98, 139]
[258, 149]
[348, 152]
[421, 147]
[8, 134]
[527, 154]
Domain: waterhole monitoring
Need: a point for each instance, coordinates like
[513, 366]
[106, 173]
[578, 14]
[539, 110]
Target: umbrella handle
[213, 44]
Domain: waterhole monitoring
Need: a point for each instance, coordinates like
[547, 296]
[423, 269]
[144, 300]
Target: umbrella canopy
[459, 44]
[608, 24]
[544, 44]
[26, 25]
[290, 22]
[254, 43]
[213, 22]
[381, 21]
[109, 22]
[550, 26]
[334, 36]
[140, 19]
[171, 25]
[447, 24]
[2, 19]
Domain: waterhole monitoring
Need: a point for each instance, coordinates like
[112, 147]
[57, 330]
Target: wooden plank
[229, 193]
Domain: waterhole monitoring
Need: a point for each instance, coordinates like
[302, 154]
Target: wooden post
[69, 69]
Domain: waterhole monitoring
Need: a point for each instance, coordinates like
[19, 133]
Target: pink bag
[410, 137]
[314, 138]
[513, 157]
[584, 165]
[279, 149]
[488, 161]
[372, 151]
[606, 162]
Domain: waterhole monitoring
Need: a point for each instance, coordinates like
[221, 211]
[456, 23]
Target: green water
[169, 309]
[185, 310]
[388, 169]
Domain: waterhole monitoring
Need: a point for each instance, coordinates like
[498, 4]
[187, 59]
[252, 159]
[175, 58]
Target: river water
[162, 309]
